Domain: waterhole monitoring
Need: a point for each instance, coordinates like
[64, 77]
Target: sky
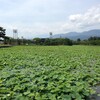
[36, 18]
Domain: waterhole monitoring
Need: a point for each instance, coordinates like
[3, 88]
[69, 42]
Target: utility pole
[50, 35]
[22, 39]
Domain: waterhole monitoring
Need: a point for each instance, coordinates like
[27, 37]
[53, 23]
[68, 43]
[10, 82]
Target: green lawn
[48, 72]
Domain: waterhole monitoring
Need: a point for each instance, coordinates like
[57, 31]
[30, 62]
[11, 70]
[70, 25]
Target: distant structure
[60, 36]
[50, 35]
[22, 39]
[15, 33]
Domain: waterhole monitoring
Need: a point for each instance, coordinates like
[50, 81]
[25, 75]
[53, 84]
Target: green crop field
[49, 72]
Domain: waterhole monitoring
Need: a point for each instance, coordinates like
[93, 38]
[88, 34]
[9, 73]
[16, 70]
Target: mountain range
[81, 35]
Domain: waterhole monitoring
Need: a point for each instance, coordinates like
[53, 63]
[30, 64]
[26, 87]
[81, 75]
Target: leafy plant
[48, 72]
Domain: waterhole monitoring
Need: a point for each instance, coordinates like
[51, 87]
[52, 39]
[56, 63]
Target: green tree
[37, 41]
[2, 32]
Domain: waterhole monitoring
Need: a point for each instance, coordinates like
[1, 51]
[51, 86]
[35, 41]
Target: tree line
[93, 40]
[65, 41]
[51, 41]
[47, 41]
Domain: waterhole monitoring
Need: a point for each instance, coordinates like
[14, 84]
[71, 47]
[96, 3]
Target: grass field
[48, 72]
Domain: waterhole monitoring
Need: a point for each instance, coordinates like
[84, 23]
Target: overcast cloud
[35, 18]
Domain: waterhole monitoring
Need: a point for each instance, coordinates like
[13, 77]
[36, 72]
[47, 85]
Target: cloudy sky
[36, 18]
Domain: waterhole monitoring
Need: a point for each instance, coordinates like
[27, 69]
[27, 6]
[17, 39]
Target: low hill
[81, 35]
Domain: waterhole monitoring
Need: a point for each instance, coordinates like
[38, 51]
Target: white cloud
[31, 30]
[37, 17]
[76, 17]
[79, 22]
[30, 16]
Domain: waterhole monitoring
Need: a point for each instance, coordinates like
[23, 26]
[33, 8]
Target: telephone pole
[50, 35]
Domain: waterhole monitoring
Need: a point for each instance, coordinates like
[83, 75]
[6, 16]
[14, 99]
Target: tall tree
[2, 32]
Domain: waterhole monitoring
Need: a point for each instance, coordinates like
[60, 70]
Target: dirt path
[96, 95]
